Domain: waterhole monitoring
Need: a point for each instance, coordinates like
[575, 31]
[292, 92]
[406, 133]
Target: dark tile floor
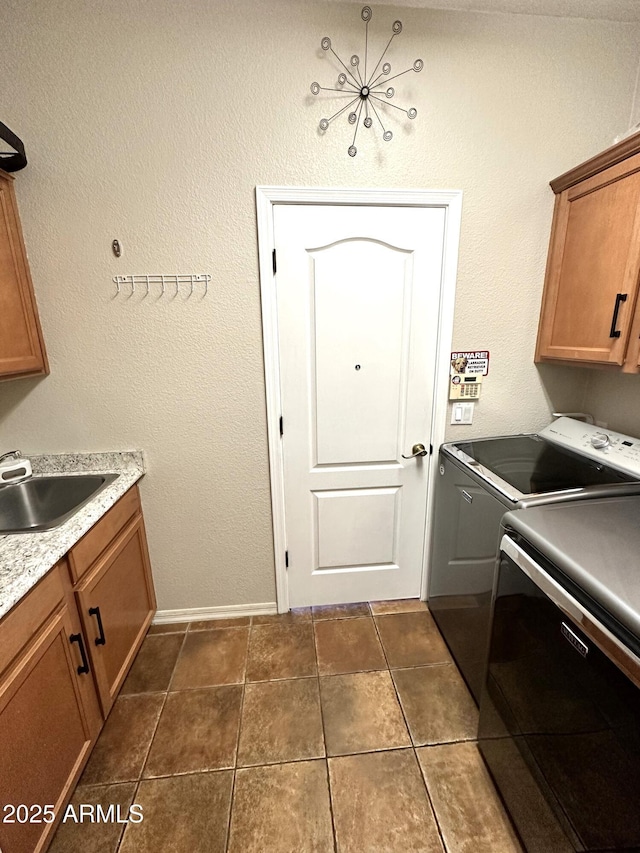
[342, 728]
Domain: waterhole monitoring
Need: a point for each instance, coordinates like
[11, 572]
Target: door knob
[416, 450]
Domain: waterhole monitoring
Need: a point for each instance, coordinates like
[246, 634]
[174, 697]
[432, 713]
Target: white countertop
[25, 558]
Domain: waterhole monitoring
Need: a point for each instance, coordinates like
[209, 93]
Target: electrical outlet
[462, 413]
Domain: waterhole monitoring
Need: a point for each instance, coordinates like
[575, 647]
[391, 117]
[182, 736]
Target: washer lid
[532, 465]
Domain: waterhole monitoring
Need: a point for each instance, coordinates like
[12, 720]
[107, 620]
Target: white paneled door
[357, 290]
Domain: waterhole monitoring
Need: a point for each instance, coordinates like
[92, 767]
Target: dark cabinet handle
[77, 638]
[101, 640]
[620, 297]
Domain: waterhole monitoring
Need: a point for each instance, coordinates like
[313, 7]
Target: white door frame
[266, 197]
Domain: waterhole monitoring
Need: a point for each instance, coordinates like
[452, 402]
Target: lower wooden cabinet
[48, 723]
[116, 603]
[64, 652]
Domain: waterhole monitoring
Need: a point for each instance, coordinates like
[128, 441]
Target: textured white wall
[634, 117]
[614, 399]
[153, 122]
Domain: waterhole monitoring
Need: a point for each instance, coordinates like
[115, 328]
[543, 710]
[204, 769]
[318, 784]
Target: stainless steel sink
[41, 503]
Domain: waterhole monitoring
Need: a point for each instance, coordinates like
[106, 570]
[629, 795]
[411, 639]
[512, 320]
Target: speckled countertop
[26, 557]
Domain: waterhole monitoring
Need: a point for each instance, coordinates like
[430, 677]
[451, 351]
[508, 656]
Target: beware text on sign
[470, 362]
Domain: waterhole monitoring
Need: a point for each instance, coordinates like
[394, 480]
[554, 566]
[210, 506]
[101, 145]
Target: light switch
[462, 413]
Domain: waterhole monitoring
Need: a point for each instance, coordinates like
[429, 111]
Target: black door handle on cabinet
[101, 640]
[77, 638]
[620, 297]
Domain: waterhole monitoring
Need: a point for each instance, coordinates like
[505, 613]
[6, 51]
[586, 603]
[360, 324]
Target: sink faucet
[14, 468]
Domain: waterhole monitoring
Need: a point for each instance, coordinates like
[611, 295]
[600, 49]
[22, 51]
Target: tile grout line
[423, 777]
[413, 746]
[187, 688]
[324, 740]
[124, 828]
[233, 769]
[231, 796]
[433, 808]
[395, 689]
[166, 697]
[235, 760]
[155, 730]
[175, 665]
[270, 764]
[342, 617]
[283, 678]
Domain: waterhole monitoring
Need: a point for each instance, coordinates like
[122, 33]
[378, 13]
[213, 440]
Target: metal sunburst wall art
[368, 92]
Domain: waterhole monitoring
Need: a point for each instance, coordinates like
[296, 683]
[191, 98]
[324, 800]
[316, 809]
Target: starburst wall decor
[364, 89]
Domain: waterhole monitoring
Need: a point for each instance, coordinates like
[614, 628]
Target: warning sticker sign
[470, 362]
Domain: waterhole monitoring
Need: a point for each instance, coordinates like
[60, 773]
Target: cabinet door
[21, 347]
[116, 603]
[632, 358]
[593, 266]
[45, 736]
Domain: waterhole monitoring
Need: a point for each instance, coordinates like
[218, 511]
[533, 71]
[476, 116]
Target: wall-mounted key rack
[163, 284]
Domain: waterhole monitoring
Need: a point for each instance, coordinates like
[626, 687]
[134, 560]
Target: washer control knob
[600, 440]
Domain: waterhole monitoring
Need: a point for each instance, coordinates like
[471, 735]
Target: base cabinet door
[116, 602]
[45, 735]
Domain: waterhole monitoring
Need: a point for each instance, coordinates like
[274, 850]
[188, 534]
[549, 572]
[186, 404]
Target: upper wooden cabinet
[22, 351]
[590, 308]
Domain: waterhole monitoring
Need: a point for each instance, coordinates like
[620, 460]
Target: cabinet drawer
[22, 623]
[88, 549]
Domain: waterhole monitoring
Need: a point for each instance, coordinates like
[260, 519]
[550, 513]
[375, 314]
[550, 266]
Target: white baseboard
[200, 614]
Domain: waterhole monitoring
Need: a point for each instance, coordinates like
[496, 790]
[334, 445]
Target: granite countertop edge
[25, 558]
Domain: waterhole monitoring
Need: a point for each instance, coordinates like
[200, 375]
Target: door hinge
[273, 257]
[430, 449]
[281, 426]
[286, 559]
